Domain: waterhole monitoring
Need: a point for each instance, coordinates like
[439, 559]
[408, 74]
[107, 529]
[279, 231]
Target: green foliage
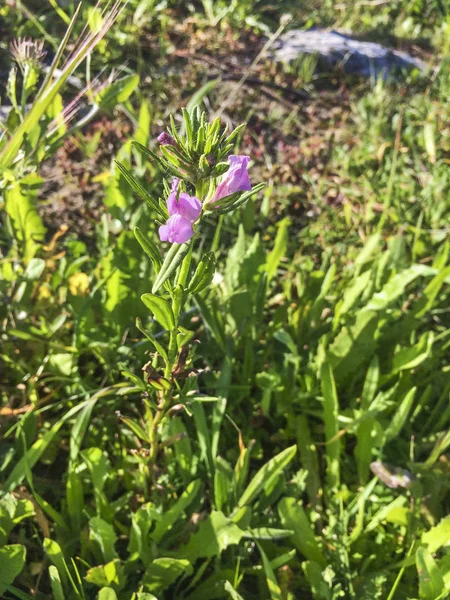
[271, 420]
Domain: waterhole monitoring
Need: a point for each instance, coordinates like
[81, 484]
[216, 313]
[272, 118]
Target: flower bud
[165, 139]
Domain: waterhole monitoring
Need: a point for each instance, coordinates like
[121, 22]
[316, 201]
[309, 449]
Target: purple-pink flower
[176, 229]
[236, 179]
[165, 139]
[183, 211]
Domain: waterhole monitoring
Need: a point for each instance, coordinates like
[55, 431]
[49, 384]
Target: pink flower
[183, 211]
[187, 206]
[176, 229]
[236, 179]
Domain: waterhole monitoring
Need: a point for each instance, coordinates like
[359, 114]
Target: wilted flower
[236, 179]
[165, 139]
[26, 51]
[393, 477]
[184, 210]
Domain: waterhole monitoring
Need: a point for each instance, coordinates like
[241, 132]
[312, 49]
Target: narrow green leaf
[330, 417]
[203, 435]
[203, 273]
[272, 583]
[158, 347]
[294, 517]
[161, 309]
[400, 415]
[268, 533]
[141, 191]
[150, 248]
[266, 475]
[173, 258]
[279, 248]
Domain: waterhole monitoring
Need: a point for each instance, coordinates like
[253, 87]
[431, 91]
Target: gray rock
[333, 48]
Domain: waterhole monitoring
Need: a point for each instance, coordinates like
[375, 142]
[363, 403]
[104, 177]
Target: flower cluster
[185, 210]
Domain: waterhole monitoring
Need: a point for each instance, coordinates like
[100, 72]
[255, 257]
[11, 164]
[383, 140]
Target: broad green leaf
[396, 286]
[117, 92]
[161, 309]
[103, 533]
[107, 593]
[79, 429]
[438, 536]
[162, 572]
[55, 582]
[352, 293]
[315, 576]
[174, 513]
[214, 535]
[110, 574]
[371, 246]
[354, 344]
[183, 449]
[98, 465]
[12, 561]
[267, 474]
[431, 582]
[223, 483]
[294, 517]
[413, 356]
[28, 225]
[141, 523]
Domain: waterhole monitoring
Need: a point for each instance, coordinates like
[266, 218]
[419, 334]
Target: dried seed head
[26, 51]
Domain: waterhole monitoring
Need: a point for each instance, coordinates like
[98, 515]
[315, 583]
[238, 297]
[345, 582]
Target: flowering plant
[207, 180]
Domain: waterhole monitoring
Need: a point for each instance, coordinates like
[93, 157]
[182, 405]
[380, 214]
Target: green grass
[320, 347]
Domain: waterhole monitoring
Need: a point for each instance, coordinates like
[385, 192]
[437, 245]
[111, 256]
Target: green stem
[178, 301]
[165, 398]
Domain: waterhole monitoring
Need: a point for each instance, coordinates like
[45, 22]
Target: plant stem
[165, 401]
